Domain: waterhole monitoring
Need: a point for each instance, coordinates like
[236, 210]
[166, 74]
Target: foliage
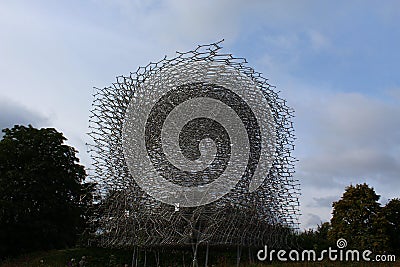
[391, 213]
[42, 195]
[356, 218]
[315, 239]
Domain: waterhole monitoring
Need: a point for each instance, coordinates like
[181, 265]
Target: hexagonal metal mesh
[193, 150]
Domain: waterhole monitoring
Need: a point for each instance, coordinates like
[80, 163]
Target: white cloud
[311, 220]
[343, 139]
[318, 40]
[325, 202]
[355, 136]
[12, 113]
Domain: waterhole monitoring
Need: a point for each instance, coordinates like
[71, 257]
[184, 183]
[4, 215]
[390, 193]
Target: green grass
[100, 257]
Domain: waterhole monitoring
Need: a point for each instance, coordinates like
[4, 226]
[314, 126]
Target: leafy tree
[322, 235]
[356, 217]
[391, 212]
[42, 195]
[316, 239]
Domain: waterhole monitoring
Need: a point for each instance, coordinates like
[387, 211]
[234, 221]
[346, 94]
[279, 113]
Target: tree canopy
[43, 196]
[358, 218]
[391, 212]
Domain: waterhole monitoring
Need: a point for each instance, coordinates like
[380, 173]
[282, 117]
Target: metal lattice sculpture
[193, 150]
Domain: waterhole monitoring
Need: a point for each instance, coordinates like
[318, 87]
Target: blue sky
[336, 62]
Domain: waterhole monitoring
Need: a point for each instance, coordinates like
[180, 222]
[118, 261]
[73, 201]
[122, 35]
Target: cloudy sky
[336, 62]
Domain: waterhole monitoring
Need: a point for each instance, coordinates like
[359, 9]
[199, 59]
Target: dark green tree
[43, 197]
[316, 239]
[391, 212]
[356, 218]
